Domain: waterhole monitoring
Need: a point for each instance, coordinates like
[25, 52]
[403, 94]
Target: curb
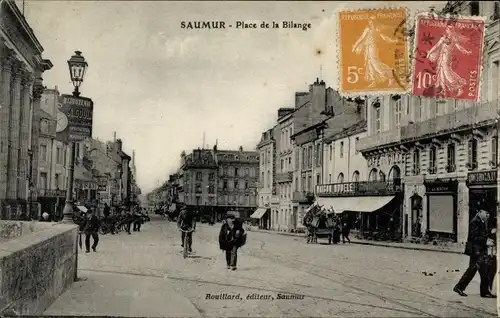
[414, 248]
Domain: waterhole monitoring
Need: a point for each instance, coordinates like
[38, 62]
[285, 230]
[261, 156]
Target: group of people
[232, 235]
[319, 217]
[89, 224]
[481, 249]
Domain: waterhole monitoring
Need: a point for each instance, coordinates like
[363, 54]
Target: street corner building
[21, 88]
[215, 182]
[444, 151]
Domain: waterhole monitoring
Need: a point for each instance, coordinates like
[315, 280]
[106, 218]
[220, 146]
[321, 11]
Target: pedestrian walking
[129, 219]
[476, 249]
[231, 237]
[91, 229]
[346, 229]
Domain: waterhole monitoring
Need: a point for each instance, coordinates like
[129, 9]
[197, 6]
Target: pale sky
[161, 87]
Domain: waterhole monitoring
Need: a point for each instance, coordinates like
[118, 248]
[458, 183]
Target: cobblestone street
[144, 274]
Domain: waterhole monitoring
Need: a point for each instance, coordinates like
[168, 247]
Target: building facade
[21, 88]
[267, 183]
[445, 150]
[53, 157]
[238, 180]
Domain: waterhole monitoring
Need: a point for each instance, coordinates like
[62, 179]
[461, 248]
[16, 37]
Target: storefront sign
[74, 118]
[359, 188]
[440, 186]
[482, 177]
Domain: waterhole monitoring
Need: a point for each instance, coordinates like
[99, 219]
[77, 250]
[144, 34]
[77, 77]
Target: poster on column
[74, 118]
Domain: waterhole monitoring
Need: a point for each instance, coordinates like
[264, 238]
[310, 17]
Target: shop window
[432, 160]
[472, 154]
[451, 166]
[416, 216]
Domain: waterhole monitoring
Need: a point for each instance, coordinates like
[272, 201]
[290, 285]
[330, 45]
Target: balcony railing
[374, 141]
[363, 188]
[47, 193]
[284, 177]
[303, 196]
[480, 113]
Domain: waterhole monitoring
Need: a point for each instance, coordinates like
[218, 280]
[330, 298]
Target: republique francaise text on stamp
[373, 56]
[448, 57]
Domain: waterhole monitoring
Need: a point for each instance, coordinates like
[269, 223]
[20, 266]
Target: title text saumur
[220, 25]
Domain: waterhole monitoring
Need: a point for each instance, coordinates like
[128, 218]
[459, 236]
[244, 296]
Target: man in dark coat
[91, 228]
[230, 239]
[186, 222]
[476, 249]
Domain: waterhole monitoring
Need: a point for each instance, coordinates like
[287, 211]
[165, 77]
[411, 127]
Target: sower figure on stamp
[231, 237]
[91, 228]
[476, 249]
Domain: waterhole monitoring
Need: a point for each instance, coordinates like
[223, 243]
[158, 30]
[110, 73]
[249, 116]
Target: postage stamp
[448, 57]
[373, 52]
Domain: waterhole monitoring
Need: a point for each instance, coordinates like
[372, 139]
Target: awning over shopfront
[82, 208]
[259, 213]
[355, 204]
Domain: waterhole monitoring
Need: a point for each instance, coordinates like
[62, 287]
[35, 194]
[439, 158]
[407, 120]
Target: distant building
[266, 186]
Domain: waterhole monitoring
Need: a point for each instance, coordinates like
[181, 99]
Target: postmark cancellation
[448, 57]
[373, 52]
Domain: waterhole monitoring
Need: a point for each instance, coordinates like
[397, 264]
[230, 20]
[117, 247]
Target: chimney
[114, 136]
[241, 148]
[119, 143]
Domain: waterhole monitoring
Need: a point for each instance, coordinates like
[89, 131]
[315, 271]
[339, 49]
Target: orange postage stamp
[373, 52]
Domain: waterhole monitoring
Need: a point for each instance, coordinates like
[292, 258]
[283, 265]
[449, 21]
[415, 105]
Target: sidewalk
[409, 246]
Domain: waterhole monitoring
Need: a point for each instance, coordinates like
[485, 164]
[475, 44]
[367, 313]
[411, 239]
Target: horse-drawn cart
[319, 224]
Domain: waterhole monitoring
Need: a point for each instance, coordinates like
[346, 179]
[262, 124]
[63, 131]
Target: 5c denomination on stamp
[373, 57]
[448, 57]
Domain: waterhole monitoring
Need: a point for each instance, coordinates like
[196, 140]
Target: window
[268, 178]
[331, 152]
[268, 156]
[355, 176]
[318, 181]
[221, 171]
[211, 176]
[418, 115]
[246, 185]
[224, 186]
[356, 145]
[432, 160]
[289, 163]
[58, 156]
[318, 155]
[451, 167]
[309, 157]
[296, 184]
[303, 185]
[282, 165]
[309, 181]
[262, 179]
[247, 171]
[397, 110]
[199, 176]
[496, 10]
[377, 118]
[44, 126]
[474, 8]
[494, 151]
[56, 179]
[211, 188]
[329, 178]
[381, 176]
[297, 159]
[341, 151]
[43, 152]
[416, 162]
[304, 157]
[472, 154]
[340, 178]
[198, 188]
[236, 185]
[236, 171]
[494, 70]
[43, 180]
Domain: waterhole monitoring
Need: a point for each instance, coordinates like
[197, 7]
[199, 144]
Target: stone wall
[37, 264]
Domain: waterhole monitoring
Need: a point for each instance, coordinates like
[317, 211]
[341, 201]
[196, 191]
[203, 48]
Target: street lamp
[77, 66]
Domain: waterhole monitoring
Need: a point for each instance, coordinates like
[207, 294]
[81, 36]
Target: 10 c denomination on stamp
[373, 57]
[448, 57]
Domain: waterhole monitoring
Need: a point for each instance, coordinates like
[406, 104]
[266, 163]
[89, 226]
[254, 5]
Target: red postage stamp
[448, 57]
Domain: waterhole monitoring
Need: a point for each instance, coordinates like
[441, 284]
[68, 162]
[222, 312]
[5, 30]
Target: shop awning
[259, 213]
[82, 208]
[355, 204]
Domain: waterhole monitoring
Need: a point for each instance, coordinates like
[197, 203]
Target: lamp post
[77, 66]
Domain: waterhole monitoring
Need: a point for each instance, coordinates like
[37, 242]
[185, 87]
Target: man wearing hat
[231, 237]
[476, 249]
[187, 223]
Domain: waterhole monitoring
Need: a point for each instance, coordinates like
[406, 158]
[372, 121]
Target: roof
[358, 127]
[351, 116]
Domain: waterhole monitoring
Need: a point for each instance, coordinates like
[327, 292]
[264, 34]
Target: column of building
[35, 128]
[6, 62]
[25, 135]
[14, 123]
